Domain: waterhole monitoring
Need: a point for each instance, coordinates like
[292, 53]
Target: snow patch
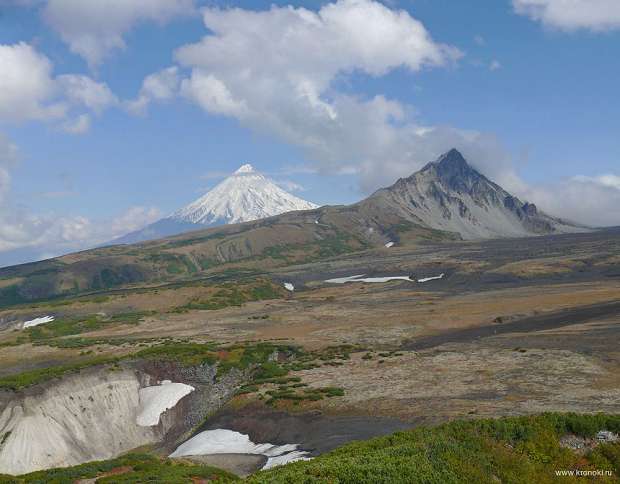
[389, 244]
[280, 460]
[361, 278]
[157, 399]
[434, 278]
[223, 441]
[37, 321]
[289, 287]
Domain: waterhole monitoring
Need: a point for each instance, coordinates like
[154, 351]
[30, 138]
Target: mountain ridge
[448, 194]
[442, 202]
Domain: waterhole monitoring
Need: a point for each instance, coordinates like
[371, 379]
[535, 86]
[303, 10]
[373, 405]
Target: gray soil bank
[240, 464]
[536, 323]
[313, 431]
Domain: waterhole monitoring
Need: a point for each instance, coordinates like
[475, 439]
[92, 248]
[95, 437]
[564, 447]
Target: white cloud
[94, 28]
[161, 86]
[8, 157]
[133, 219]
[274, 71]
[593, 201]
[21, 229]
[495, 65]
[213, 95]
[79, 125]
[609, 180]
[50, 234]
[290, 185]
[27, 89]
[30, 92]
[595, 15]
[84, 91]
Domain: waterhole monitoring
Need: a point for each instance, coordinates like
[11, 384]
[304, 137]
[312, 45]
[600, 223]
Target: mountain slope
[444, 201]
[450, 195]
[244, 196]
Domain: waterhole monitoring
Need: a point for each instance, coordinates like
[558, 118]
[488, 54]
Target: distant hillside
[447, 200]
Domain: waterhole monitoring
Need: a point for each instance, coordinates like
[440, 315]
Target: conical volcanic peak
[244, 196]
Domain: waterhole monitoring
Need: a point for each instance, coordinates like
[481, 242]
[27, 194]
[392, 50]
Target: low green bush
[510, 450]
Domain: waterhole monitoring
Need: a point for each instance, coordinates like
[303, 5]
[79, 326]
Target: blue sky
[361, 92]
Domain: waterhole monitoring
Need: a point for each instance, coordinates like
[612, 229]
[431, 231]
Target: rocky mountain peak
[452, 160]
[449, 194]
[454, 171]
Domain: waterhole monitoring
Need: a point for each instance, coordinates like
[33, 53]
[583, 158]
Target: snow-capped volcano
[244, 196]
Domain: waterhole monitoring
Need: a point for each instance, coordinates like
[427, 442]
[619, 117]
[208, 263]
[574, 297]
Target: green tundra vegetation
[508, 450]
[253, 356]
[131, 468]
[78, 325]
[32, 377]
[235, 294]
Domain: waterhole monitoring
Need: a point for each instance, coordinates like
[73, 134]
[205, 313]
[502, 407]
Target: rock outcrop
[92, 415]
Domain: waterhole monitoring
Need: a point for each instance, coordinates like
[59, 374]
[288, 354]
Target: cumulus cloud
[29, 91]
[595, 15]
[84, 91]
[92, 29]
[592, 201]
[24, 233]
[161, 86]
[274, 71]
[53, 235]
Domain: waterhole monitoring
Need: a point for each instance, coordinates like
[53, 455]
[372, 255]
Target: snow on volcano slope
[246, 195]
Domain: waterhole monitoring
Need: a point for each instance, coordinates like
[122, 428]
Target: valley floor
[514, 328]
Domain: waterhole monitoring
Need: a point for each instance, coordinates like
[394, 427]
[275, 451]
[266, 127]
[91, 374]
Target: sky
[114, 113]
